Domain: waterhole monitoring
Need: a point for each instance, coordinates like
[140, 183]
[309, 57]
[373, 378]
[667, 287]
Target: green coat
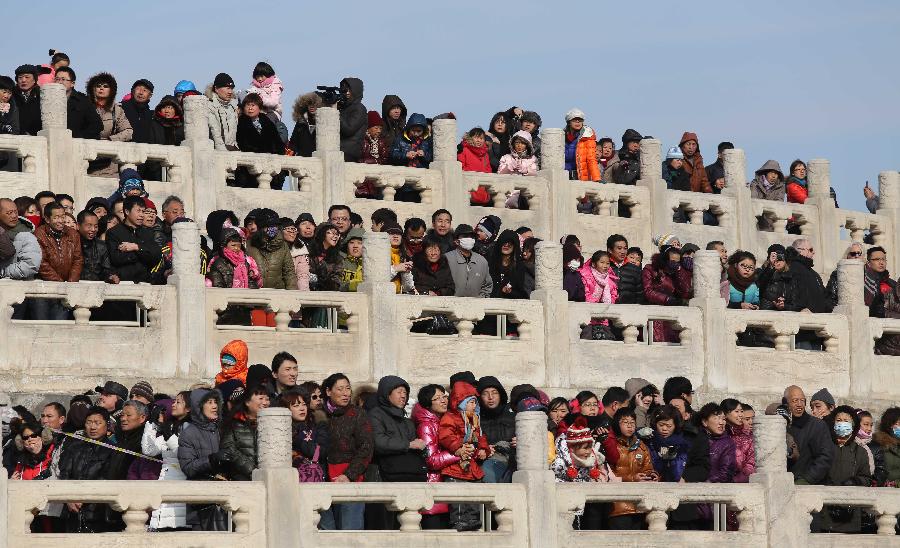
[891, 447]
[273, 257]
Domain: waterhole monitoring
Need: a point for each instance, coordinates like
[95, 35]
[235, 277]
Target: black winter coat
[773, 285]
[816, 449]
[85, 461]
[354, 121]
[146, 130]
[29, 105]
[441, 281]
[392, 431]
[83, 120]
[628, 170]
[303, 141]
[696, 469]
[807, 289]
[136, 266]
[239, 445]
[266, 141]
[97, 267]
[631, 287]
[119, 462]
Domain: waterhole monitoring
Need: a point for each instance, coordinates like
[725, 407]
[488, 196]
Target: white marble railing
[883, 502]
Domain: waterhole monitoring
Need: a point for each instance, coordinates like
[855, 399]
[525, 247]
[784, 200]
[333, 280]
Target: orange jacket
[633, 460]
[586, 157]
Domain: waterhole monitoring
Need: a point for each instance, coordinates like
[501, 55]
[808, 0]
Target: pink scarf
[244, 269]
[267, 82]
[605, 291]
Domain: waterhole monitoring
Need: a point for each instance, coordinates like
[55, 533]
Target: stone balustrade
[534, 511]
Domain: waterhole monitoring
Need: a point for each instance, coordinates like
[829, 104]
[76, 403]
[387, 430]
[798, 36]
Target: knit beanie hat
[223, 81]
[489, 225]
[374, 119]
[574, 113]
[823, 396]
[143, 389]
[674, 153]
[579, 432]
[666, 239]
[634, 385]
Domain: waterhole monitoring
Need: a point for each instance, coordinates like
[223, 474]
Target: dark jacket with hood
[303, 138]
[531, 116]
[498, 424]
[807, 289]
[199, 437]
[392, 431]
[405, 144]
[391, 129]
[85, 461]
[83, 120]
[273, 258]
[627, 170]
[631, 289]
[514, 274]
[239, 447]
[172, 128]
[354, 121]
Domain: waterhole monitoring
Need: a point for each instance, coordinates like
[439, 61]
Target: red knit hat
[579, 432]
[374, 119]
[149, 204]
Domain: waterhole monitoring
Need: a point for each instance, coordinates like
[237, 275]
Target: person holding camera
[354, 118]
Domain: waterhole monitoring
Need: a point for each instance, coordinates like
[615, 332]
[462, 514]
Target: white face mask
[467, 243]
[573, 264]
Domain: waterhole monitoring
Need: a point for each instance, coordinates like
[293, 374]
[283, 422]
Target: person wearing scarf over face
[579, 459]
[573, 282]
[233, 359]
[271, 253]
[169, 115]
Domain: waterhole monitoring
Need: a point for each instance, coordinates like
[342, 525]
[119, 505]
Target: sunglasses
[855, 254]
[30, 437]
[315, 397]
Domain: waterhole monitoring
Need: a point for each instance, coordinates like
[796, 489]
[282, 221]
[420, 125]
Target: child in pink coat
[600, 282]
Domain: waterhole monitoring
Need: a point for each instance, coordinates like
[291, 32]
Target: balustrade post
[559, 213]
[743, 225]
[275, 470]
[190, 303]
[889, 206]
[328, 148]
[829, 246]
[651, 178]
[207, 180]
[382, 302]
[61, 162]
[533, 472]
[453, 194]
[707, 280]
[851, 303]
[786, 523]
[4, 510]
[555, 305]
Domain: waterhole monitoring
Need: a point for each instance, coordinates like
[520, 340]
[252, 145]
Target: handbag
[309, 470]
[441, 325]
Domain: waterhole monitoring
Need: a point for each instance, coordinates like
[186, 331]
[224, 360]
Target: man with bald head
[812, 438]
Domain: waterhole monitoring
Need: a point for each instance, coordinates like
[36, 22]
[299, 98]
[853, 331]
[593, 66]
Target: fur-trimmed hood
[885, 440]
[303, 102]
[102, 78]
[46, 438]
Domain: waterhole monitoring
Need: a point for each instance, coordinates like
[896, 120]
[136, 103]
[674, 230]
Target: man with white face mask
[470, 271]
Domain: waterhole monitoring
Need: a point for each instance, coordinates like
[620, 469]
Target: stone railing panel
[884, 502]
[32, 151]
[246, 501]
[318, 349]
[308, 173]
[63, 355]
[593, 228]
[505, 501]
[501, 187]
[429, 358]
[770, 370]
[389, 179]
[885, 371]
[656, 499]
[592, 360]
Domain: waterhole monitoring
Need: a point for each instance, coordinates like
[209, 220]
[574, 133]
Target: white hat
[674, 154]
[574, 113]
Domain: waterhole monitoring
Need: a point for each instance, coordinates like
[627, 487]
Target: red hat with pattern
[579, 432]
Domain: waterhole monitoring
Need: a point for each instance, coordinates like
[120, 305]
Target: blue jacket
[570, 154]
[404, 144]
[750, 295]
[669, 465]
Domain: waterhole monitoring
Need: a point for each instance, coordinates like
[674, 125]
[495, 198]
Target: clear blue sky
[782, 80]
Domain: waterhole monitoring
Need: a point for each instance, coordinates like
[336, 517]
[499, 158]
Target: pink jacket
[436, 458]
[594, 292]
[511, 164]
[745, 462]
[269, 91]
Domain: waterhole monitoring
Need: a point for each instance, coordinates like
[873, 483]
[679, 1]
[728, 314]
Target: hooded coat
[453, 433]
[436, 458]
[273, 257]
[391, 129]
[498, 424]
[405, 144]
[890, 445]
[238, 349]
[514, 274]
[519, 164]
[115, 125]
[199, 440]
[625, 167]
[26, 262]
[354, 121]
[172, 128]
[761, 189]
[581, 154]
[474, 158]
[303, 138]
[392, 432]
[693, 165]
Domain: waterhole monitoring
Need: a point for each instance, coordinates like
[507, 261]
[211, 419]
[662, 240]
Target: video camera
[331, 95]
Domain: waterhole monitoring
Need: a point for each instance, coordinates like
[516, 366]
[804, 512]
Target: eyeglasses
[445, 397]
[747, 267]
[854, 254]
[590, 405]
[101, 85]
[30, 437]
[60, 80]
[291, 229]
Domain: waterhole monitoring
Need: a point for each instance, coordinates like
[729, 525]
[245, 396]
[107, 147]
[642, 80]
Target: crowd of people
[464, 431]
[251, 118]
[122, 238]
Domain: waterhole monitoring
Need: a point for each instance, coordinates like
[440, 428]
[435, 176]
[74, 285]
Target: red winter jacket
[30, 472]
[452, 433]
[476, 159]
[436, 458]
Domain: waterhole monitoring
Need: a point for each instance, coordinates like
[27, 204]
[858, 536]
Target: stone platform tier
[175, 342]
[534, 511]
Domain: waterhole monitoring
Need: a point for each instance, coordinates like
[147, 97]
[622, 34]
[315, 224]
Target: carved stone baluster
[410, 520]
[695, 213]
[504, 519]
[630, 334]
[779, 223]
[465, 327]
[282, 319]
[887, 521]
[241, 518]
[134, 519]
[499, 197]
[388, 193]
